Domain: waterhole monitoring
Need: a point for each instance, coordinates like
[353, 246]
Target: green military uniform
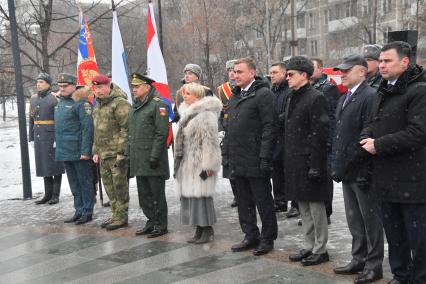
[375, 80]
[110, 118]
[148, 132]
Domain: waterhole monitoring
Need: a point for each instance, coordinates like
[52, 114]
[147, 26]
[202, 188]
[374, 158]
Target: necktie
[243, 93]
[348, 97]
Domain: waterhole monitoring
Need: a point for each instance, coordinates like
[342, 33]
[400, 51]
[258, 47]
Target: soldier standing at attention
[110, 143]
[42, 132]
[148, 131]
[224, 93]
[74, 139]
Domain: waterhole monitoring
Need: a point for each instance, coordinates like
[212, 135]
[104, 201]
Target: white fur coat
[201, 149]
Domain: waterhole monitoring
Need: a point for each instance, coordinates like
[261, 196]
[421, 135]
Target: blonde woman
[197, 160]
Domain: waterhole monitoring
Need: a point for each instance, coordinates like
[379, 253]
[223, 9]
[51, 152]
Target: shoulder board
[156, 99]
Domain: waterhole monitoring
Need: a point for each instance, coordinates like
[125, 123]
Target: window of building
[385, 33]
[314, 47]
[302, 46]
[311, 20]
[259, 33]
[301, 21]
[325, 17]
[387, 6]
[348, 11]
[354, 8]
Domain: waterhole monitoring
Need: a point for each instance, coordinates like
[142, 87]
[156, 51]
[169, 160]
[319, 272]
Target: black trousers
[278, 182]
[255, 193]
[405, 229]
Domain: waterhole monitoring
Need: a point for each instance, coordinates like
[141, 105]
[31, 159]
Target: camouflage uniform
[110, 142]
[375, 80]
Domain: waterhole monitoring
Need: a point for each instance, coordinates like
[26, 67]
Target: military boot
[48, 190]
[106, 222]
[56, 190]
[116, 224]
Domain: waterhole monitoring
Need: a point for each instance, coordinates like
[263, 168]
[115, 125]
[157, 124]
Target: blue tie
[243, 93]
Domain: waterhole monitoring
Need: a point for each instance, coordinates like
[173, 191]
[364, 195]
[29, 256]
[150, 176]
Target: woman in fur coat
[197, 160]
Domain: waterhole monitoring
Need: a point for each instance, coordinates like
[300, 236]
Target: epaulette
[157, 99]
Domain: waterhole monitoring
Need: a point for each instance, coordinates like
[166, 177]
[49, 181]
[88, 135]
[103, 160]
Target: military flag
[156, 66]
[119, 66]
[87, 68]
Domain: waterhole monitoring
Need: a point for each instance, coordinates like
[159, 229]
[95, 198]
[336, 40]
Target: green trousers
[152, 200]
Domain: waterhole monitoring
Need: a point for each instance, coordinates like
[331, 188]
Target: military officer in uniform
[74, 139]
[42, 132]
[110, 143]
[224, 93]
[371, 54]
[148, 131]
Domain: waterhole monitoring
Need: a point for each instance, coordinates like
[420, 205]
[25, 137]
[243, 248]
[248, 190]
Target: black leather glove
[314, 174]
[335, 177]
[265, 167]
[363, 183]
[153, 163]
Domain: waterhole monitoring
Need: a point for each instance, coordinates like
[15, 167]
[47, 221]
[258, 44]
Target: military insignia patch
[163, 111]
[88, 108]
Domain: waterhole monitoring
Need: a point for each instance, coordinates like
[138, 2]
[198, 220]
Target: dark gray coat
[305, 145]
[350, 121]
[42, 132]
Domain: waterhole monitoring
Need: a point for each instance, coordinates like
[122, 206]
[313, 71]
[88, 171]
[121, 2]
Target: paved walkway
[37, 247]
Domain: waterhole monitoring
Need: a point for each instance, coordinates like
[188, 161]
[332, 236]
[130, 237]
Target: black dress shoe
[263, 248]
[106, 204]
[280, 207]
[234, 203]
[368, 276]
[84, 219]
[351, 268]
[396, 281]
[304, 253]
[43, 200]
[245, 244]
[144, 231]
[52, 201]
[316, 258]
[157, 232]
[73, 219]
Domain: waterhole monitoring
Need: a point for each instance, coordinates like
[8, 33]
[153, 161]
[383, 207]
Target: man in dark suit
[395, 139]
[361, 209]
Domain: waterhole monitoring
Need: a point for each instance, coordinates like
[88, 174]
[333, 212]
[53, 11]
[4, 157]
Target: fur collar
[210, 103]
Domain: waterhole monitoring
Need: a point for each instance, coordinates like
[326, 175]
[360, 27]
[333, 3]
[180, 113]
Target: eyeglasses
[291, 74]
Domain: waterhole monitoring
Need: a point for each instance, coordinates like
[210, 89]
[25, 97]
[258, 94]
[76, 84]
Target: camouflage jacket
[110, 118]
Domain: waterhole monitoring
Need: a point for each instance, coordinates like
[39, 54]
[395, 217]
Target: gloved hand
[265, 167]
[314, 174]
[363, 183]
[335, 177]
[153, 163]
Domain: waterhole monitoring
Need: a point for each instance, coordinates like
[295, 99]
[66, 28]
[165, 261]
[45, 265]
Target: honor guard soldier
[42, 132]
[74, 139]
[148, 131]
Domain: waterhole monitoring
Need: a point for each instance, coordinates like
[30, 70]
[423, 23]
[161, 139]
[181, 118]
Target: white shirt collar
[353, 90]
[392, 82]
[248, 86]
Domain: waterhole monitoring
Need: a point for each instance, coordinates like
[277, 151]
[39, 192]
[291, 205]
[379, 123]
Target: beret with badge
[101, 79]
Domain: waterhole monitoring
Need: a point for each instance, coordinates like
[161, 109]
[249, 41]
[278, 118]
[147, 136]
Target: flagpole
[160, 25]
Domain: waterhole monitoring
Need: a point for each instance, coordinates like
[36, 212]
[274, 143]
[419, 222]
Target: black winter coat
[305, 145]
[350, 121]
[250, 133]
[398, 125]
[281, 92]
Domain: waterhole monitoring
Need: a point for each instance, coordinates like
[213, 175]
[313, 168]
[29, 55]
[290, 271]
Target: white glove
[221, 134]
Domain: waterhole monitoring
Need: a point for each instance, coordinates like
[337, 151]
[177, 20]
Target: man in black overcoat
[305, 158]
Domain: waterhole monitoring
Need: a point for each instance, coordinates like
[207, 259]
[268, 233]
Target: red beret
[100, 79]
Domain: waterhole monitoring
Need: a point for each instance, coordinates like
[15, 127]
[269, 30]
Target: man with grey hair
[361, 208]
[224, 93]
